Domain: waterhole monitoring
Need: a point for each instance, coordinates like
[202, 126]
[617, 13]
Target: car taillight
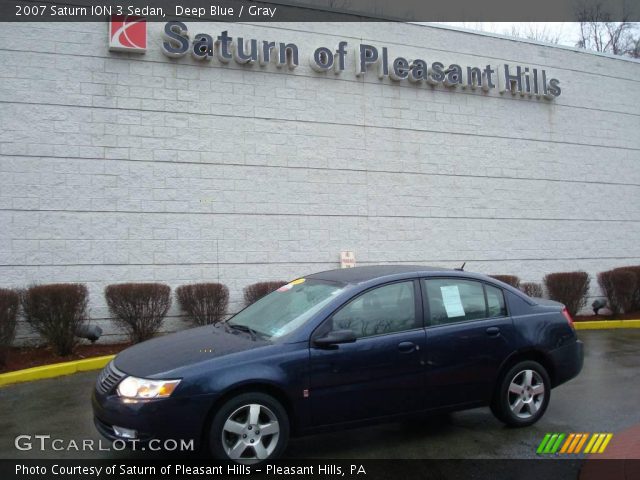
[567, 315]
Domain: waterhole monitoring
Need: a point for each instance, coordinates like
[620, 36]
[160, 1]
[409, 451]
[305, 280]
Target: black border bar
[547, 467]
[318, 10]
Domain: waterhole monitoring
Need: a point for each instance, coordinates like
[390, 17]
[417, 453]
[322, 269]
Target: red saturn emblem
[127, 34]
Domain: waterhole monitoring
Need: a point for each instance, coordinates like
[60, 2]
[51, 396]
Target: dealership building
[185, 152]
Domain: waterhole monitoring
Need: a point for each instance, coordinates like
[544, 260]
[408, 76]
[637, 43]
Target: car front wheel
[522, 395]
[249, 428]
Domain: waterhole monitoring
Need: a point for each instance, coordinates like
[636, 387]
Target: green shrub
[512, 280]
[569, 288]
[9, 303]
[138, 308]
[56, 311]
[256, 291]
[532, 289]
[204, 303]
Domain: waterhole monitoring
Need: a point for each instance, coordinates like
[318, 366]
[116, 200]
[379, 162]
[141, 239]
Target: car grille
[108, 378]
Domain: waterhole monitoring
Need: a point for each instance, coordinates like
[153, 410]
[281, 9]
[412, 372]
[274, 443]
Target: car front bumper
[171, 418]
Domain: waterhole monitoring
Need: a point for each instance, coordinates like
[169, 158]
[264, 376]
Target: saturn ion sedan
[342, 348]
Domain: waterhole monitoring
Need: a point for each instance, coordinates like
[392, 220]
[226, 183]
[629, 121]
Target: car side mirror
[335, 337]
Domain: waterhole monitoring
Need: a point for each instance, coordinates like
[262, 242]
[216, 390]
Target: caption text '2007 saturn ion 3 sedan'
[342, 348]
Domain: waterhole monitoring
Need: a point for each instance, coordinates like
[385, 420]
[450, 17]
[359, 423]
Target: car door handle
[407, 347]
[493, 331]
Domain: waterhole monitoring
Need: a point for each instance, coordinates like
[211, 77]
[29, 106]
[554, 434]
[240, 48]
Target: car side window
[495, 302]
[454, 300]
[386, 309]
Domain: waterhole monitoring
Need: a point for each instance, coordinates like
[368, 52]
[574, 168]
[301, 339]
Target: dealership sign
[364, 59]
[128, 34]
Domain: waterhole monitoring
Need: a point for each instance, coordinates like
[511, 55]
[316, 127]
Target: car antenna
[461, 269]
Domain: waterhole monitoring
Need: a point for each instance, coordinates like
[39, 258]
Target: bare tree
[598, 32]
[540, 32]
[633, 47]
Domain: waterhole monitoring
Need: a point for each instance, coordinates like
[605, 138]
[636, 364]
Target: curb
[54, 370]
[606, 324]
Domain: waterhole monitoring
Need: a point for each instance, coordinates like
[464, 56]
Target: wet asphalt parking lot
[603, 398]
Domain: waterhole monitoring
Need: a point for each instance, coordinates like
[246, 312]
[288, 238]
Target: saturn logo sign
[127, 34]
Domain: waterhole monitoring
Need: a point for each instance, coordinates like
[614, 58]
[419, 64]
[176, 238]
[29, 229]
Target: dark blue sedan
[342, 348]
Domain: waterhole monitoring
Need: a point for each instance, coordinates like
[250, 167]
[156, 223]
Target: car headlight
[143, 388]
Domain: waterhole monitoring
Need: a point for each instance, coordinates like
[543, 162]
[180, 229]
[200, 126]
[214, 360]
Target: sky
[567, 32]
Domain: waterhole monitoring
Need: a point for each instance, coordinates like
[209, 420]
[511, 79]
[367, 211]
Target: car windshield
[287, 308]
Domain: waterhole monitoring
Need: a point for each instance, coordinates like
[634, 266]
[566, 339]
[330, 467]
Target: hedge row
[58, 311]
[569, 288]
[621, 287]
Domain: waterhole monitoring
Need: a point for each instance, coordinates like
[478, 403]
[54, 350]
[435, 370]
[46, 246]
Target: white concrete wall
[121, 167]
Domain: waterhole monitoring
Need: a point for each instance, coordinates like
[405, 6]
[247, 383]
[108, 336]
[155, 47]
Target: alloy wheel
[250, 434]
[526, 394]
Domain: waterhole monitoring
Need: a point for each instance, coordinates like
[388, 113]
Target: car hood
[183, 348]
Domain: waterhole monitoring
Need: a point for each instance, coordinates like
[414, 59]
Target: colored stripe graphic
[567, 442]
[591, 442]
[606, 442]
[596, 446]
[543, 443]
[582, 442]
[556, 445]
[598, 443]
[550, 443]
[575, 445]
[572, 443]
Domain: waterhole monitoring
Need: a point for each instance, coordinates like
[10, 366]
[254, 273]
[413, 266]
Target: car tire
[249, 428]
[522, 394]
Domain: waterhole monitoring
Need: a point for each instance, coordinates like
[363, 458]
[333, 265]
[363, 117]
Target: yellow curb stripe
[606, 324]
[605, 443]
[54, 370]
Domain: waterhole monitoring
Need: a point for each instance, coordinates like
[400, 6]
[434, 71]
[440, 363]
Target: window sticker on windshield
[290, 285]
[452, 302]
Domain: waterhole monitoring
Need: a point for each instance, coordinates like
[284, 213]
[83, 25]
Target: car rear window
[456, 300]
